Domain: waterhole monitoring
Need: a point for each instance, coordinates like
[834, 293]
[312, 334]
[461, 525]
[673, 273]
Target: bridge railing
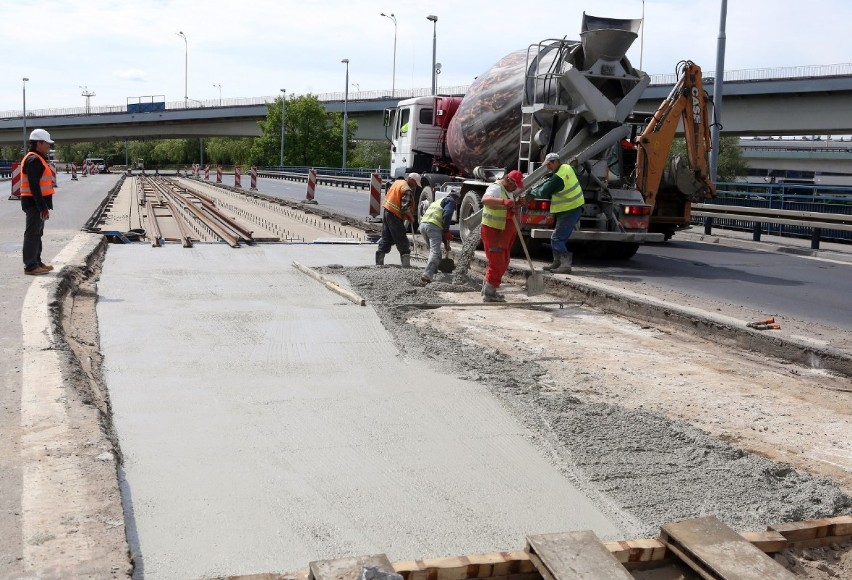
[742, 75]
[803, 211]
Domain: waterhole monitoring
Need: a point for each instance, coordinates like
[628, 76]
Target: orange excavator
[671, 187]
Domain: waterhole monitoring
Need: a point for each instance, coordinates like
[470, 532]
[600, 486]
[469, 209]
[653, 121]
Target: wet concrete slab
[267, 422]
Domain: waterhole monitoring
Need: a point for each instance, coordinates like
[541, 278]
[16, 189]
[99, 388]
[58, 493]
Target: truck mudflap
[581, 235]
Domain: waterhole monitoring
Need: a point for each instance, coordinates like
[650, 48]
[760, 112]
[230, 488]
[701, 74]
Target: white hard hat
[417, 179]
[40, 135]
[551, 157]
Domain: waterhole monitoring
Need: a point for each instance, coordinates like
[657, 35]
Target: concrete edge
[767, 246]
[71, 525]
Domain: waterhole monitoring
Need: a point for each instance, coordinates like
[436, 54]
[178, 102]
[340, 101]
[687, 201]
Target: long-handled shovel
[535, 283]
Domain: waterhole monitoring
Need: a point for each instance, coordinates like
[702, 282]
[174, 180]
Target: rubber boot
[565, 261]
[380, 258]
[489, 294]
[554, 265]
[405, 260]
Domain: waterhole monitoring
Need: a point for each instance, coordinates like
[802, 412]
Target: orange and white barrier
[55, 175]
[375, 194]
[237, 169]
[73, 172]
[218, 174]
[207, 172]
[16, 181]
[312, 185]
[253, 178]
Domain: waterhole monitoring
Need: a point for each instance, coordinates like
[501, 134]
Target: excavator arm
[687, 101]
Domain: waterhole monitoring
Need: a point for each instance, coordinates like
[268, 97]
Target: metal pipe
[24, 117]
[434, 19]
[345, 113]
[283, 102]
[392, 17]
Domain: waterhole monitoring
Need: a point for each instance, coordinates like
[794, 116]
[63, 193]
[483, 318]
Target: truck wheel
[426, 198]
[470, 205]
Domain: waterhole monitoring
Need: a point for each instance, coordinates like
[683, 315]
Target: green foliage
[731, 162]
[370, 155]
[312, 136]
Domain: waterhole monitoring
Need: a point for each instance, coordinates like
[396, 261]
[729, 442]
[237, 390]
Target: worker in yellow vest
[37, 186]
[435, 227]
[399, 207]
[566, 204]
[498, 232]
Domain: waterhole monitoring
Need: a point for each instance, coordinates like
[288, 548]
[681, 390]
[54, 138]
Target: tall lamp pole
[393, 80]
[88, 94]
[185, 70]
[718, 81]
[220, 93]
[642, 41]
[25, 79]
[283, 102]
[434, 20]
[345, 114]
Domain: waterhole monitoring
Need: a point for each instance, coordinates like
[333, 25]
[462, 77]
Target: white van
[99, 163]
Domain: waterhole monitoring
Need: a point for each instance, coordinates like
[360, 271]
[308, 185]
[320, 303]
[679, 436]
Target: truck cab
[413, 136]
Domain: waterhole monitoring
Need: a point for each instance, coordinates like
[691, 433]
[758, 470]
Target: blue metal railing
[331, 171]
[810, 198]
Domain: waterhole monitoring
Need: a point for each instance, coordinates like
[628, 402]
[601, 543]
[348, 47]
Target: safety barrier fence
[350, 178]
[818, 213]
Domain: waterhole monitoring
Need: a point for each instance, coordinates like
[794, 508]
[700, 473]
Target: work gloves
[448, 237]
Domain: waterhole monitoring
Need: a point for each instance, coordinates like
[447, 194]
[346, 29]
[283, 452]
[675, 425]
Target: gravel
[655, 469]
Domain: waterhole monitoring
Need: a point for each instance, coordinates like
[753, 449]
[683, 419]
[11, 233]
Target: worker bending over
[399, 206]
[498, 232]
[435, 226]
[566, 204]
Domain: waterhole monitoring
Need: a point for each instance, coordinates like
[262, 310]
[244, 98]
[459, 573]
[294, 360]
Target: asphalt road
[801, 287]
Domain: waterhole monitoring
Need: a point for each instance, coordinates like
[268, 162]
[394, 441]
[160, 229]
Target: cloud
[131, 74]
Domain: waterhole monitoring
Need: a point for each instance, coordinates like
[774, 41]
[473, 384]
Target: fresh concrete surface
[267, 422]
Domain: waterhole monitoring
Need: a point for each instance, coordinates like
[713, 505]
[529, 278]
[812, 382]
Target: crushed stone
[655, 469]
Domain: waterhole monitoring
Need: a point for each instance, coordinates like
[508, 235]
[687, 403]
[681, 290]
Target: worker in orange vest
[399, 207]
[37, 186]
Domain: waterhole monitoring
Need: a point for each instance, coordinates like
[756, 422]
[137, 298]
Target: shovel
[447, 264]
[535, 283]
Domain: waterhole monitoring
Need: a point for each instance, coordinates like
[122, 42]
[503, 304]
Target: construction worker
[435, 227]
[399, 208]
[566, 204]
[37, 186]
[498, 232]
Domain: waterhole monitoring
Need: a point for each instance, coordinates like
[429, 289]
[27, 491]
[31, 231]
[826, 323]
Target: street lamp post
[185, 70]
[25, 79]
[345, 114]
[642, 41]
[220, 93]
[434, 20]
[88, 94]
[718, 82]
[392, 17]
[283, 102]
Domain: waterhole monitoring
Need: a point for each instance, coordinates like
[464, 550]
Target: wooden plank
[634, 551]
[767, 542]
[812, 529]
[717, 552]
[348, 568]
[569, 555]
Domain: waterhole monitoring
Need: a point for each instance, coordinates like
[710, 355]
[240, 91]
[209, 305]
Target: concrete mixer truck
[575, 98]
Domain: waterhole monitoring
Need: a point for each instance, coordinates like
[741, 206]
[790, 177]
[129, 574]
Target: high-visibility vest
[46, 181]
[434, 214]
[495, 217]
[571, 195]
[393, 199]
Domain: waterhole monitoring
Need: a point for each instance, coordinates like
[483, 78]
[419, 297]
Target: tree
[371, 155]
[312, 136]
[731, 162]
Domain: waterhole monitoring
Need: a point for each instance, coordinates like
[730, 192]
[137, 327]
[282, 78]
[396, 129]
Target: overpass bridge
[809, 100]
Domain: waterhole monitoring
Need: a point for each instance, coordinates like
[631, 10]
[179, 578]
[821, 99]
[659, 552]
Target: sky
[120, 49]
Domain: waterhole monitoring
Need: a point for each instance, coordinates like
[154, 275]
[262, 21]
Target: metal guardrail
[816, 222]
[333, 180]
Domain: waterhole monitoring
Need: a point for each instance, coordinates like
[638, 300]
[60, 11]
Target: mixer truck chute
[570, 97]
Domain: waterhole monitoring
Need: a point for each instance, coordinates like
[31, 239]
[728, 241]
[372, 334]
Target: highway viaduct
[815, 105]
